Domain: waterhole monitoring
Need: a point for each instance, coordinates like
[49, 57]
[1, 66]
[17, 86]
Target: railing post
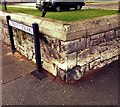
[39, 71]
[10, 32]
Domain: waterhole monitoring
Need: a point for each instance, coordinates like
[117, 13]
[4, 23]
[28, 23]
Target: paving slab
[14, 66]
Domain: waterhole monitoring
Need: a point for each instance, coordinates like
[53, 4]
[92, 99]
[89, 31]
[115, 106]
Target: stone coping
[67, 31]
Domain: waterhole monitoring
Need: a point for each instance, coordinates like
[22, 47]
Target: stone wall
[70, 49]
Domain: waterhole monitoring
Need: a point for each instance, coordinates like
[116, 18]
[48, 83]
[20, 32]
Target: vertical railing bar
[36, 35]
[10, 32]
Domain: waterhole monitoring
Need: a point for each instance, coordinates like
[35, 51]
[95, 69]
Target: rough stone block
[70, 46]
[85, 57]
[73, 74]
[115, 52]
[85, 68]
[71, 60]
[118, 43]
[67, 62]
[61, 73]
[74, 46]
[81, 57]
[102, 37]
[83, 44]
[102, 48]
[109, 54]
[110, 35]
[115, 58]
[95, 42]
[88, 41]
[118, 33]
[50, 68]
[109, 61]
[105, 55]
[30, 54]
[62, 65]
[112, 45]
[107, 45]
[95, 64]
[48, 53]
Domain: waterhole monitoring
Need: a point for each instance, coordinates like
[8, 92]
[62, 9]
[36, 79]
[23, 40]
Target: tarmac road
[28, 90]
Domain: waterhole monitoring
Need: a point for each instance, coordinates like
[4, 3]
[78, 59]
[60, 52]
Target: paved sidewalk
[14, 66]
[21, 88]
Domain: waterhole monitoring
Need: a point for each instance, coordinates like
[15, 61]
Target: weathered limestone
[69, 49]
[96, 26]
[113, 22]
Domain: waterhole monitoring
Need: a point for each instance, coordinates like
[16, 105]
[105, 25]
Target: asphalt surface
[25, 89]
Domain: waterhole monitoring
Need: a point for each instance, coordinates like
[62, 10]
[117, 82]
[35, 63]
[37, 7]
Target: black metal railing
[34, 31]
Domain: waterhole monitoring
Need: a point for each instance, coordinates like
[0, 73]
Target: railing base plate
[39, 75]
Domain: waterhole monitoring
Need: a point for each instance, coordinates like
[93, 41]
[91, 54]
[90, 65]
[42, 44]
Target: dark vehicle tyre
[78, 7]
[57, 8]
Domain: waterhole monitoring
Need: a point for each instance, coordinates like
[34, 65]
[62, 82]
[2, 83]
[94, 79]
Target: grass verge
[65, 15]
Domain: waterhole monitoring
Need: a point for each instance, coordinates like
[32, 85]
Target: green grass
[66, 15]
[0, 7]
